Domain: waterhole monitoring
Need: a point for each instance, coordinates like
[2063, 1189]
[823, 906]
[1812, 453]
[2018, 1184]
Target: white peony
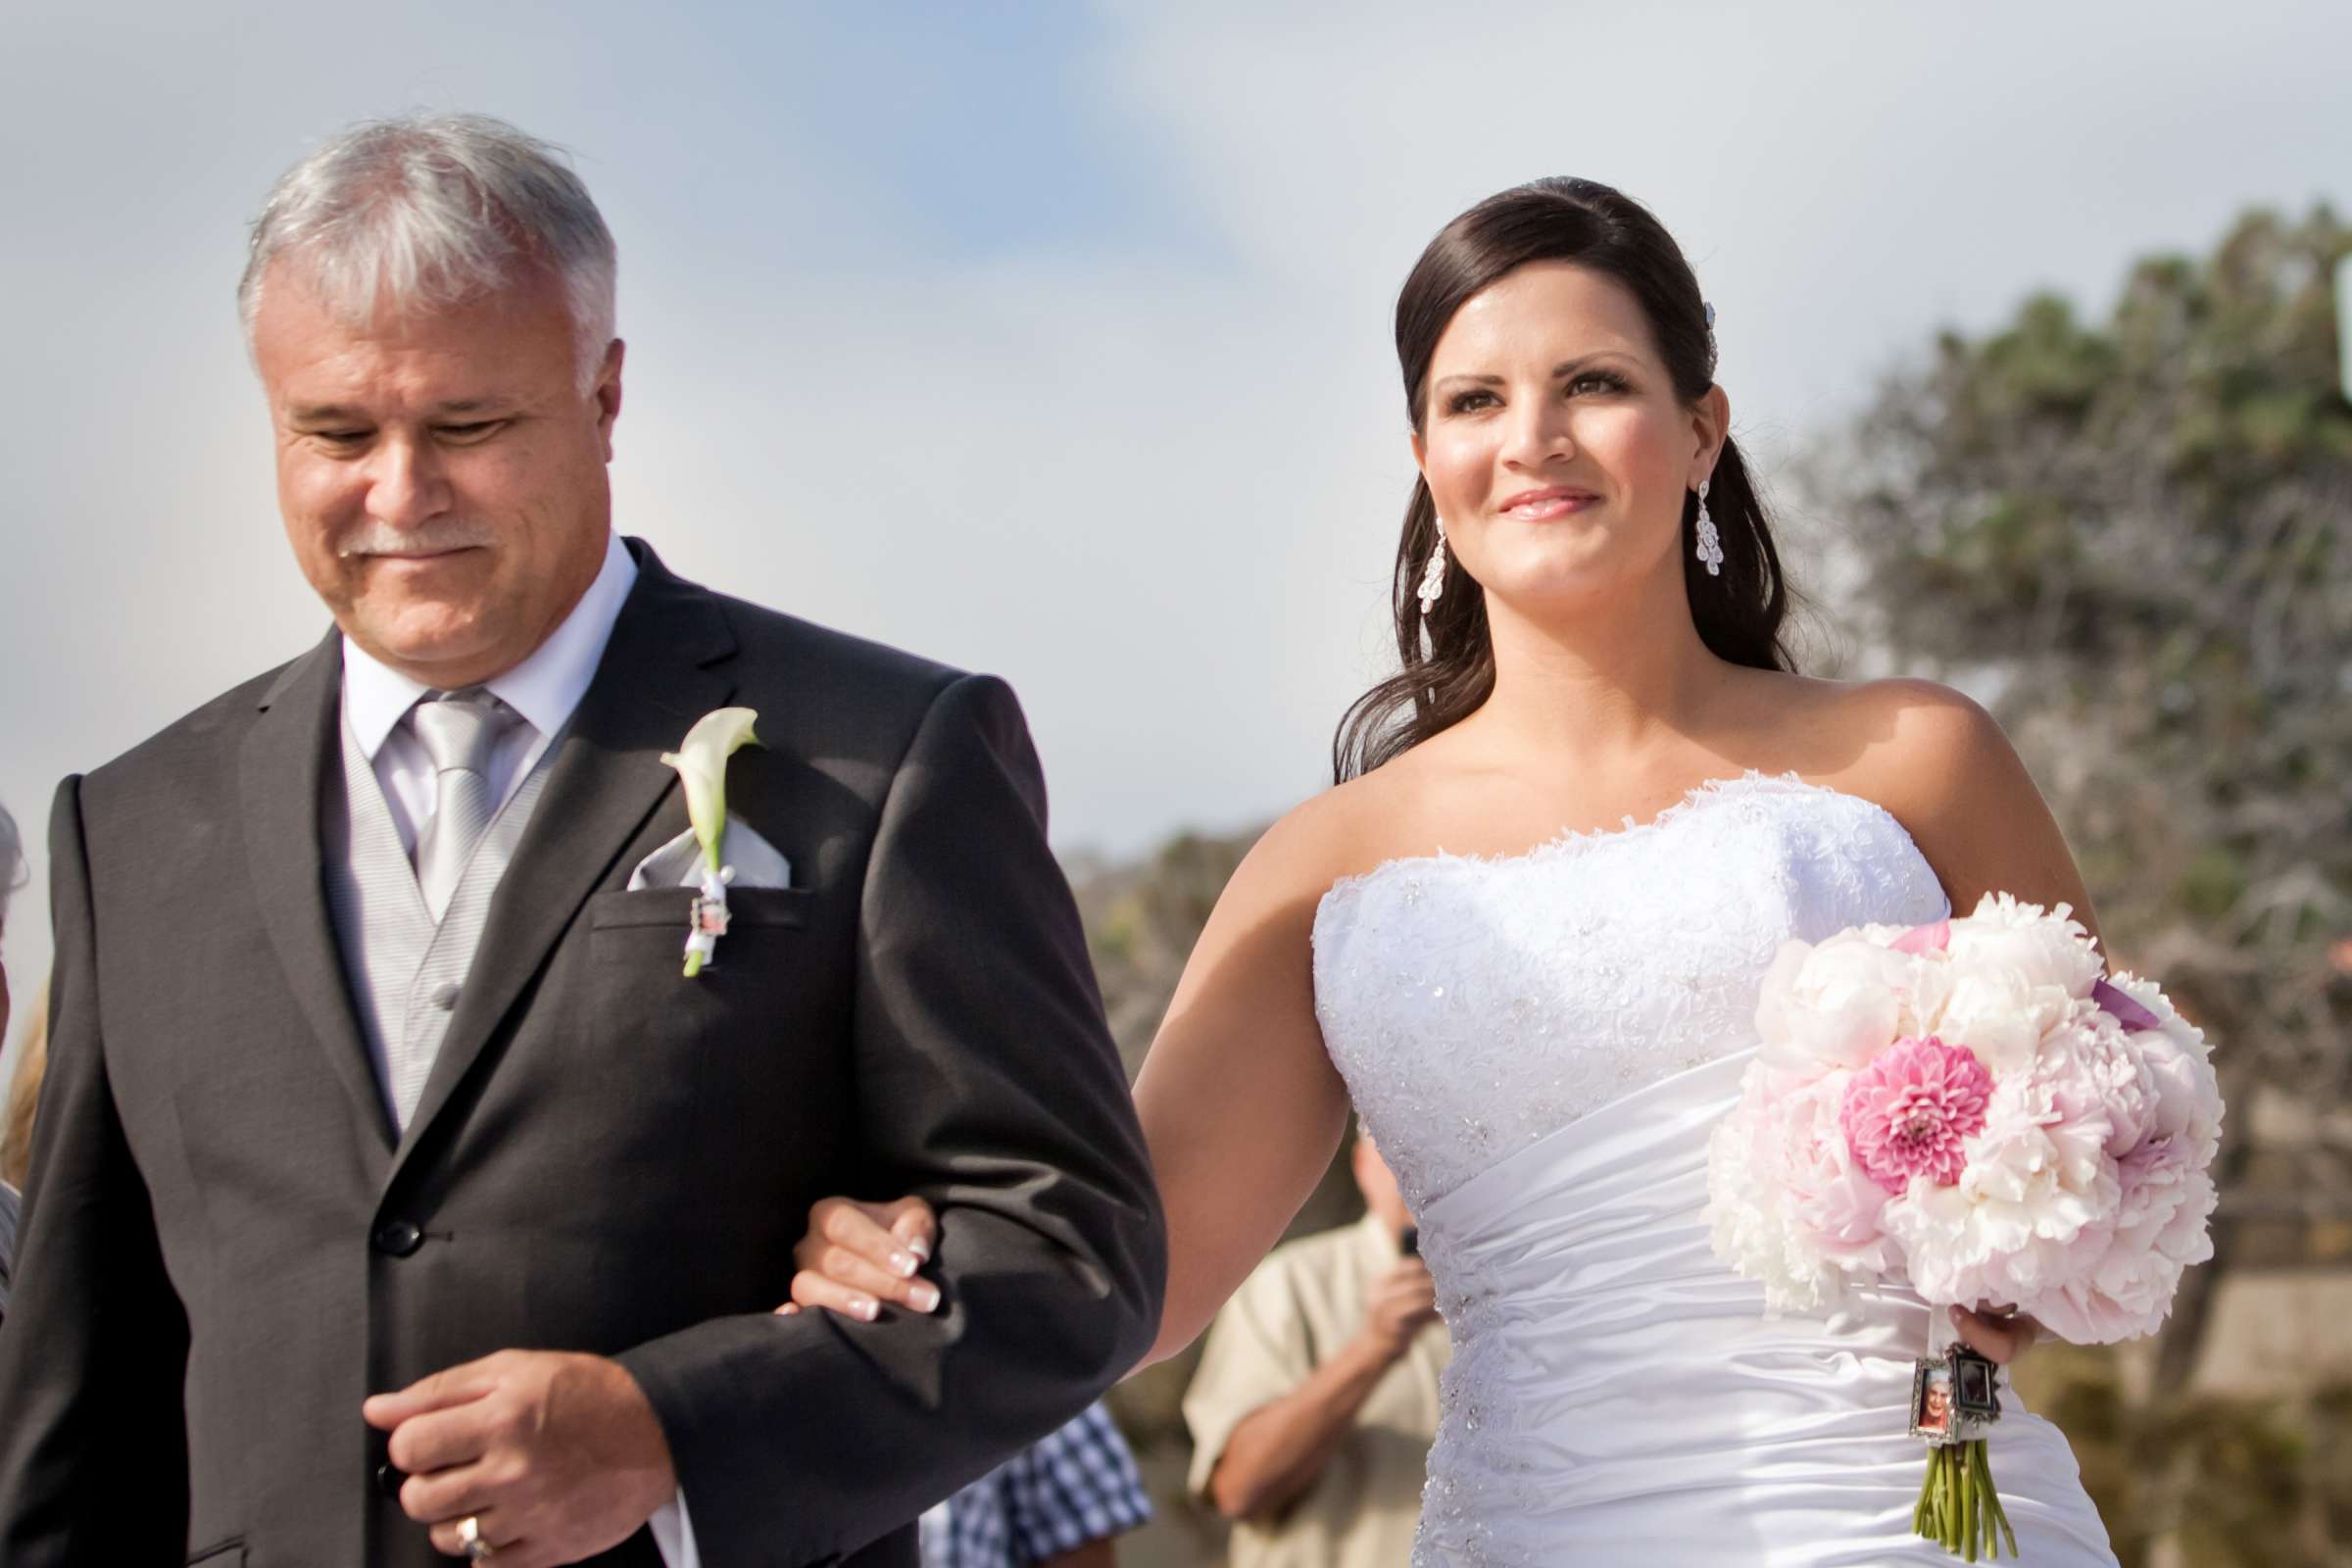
[1840, 1002]
[2000, 1014]
[2039, 947]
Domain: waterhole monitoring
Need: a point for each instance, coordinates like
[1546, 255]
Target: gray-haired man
[395, 1190]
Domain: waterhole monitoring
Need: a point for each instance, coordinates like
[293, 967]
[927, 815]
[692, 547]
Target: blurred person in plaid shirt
[1060, 1502]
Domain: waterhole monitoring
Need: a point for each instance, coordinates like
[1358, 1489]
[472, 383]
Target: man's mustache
[379, 539]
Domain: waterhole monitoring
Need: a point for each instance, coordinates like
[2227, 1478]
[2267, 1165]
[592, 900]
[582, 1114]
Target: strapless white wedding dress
[1540, 1043]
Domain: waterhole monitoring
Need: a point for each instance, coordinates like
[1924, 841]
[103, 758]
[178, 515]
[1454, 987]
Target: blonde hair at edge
[16, 1122]
[25, 1092]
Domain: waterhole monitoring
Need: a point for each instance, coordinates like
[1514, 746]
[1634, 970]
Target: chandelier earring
[1433, 579]
[1710, 543]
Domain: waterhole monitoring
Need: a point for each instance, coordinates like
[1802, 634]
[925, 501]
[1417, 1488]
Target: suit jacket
[226, 1248]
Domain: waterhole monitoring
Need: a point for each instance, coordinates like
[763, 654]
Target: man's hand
[557, 1455]
[1403, 1302]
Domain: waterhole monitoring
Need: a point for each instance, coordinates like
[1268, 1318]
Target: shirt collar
[544, 688]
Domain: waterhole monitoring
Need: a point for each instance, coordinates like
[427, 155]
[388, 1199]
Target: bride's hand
[858, 1255]
[1998, 1336]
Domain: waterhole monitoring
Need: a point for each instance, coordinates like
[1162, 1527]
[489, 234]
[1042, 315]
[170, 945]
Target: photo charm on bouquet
[1953, 1396]
[1976, 1110]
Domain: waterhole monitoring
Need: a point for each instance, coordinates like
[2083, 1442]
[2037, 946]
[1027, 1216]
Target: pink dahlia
[1907, 1113]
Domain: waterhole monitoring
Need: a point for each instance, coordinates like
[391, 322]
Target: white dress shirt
[542, 690]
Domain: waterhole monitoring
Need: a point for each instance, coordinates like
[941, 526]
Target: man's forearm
[1281, 1448]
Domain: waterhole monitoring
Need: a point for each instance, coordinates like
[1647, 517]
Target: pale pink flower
[2159, 1229]
[1842, 1001]
[1787, 1206]
[2039, 948]
[2180, 1063]
[1907, 1114]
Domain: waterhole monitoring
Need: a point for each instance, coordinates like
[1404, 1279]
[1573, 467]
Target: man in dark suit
[395, 1190]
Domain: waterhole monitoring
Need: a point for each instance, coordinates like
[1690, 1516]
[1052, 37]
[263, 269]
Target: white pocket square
[678, 863]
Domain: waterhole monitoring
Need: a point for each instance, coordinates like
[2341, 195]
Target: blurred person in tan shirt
[1317, 1395]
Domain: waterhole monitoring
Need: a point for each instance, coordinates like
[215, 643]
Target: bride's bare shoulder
[1937, 761]
[1908, 743]
[1338, 833]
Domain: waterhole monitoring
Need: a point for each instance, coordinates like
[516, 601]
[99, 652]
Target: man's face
[441, 474]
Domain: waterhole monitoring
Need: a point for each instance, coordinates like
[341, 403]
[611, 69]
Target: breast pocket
[761, 979]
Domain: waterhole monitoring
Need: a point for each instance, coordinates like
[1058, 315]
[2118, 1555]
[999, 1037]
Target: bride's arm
[1240, 1102]
[1240, 1105]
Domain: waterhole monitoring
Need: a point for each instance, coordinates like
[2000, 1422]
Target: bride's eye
[1597, 381]
[1464, 402]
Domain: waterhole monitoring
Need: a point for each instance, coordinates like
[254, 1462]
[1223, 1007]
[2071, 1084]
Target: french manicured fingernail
[867, 1308]
[788, 1308]
[905, 1264]
[920, 1247]
[925, 1297]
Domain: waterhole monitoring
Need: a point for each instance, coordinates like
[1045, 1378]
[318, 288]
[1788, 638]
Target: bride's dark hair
[1449, 655]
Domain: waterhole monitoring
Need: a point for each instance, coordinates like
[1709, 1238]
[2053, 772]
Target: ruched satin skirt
[1618, 1395]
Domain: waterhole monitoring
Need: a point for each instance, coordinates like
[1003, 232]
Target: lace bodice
[1474, 1005]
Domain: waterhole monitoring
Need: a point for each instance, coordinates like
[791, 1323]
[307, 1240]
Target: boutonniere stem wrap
[702, 763]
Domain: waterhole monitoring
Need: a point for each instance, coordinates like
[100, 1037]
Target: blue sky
[1053, 339]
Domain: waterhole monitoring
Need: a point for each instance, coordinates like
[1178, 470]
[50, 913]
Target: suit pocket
[765, 980]
[668, 906]
[229, 1553]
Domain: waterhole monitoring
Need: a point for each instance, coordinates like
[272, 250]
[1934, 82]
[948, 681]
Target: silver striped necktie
[458, 730]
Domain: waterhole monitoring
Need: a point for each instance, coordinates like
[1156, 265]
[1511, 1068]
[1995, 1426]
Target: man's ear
[607, 393]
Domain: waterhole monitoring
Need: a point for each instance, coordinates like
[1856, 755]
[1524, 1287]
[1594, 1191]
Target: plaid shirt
[1076, 1485]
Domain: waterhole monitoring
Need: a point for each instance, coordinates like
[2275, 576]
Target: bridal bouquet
[1972, 1107]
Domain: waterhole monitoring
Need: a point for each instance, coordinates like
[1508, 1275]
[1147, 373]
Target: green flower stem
[1955, 1517]
[1992, 1495]
[1959, 1508]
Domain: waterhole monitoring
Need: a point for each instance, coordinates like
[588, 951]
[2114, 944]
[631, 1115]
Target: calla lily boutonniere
[702, 763]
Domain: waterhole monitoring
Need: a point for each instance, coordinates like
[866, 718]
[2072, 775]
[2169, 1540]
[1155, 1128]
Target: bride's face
[1553, 442]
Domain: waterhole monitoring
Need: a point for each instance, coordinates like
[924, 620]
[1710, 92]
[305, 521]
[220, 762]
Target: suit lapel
[665, 666]
[282, 786]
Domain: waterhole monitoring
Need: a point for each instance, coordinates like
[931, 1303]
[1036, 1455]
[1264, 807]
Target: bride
[1525, 934]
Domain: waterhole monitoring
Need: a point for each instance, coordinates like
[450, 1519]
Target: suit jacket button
[397, 1238]
[388, 1479]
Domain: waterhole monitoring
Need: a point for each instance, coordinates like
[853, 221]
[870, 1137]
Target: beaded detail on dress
[1474, 1005]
